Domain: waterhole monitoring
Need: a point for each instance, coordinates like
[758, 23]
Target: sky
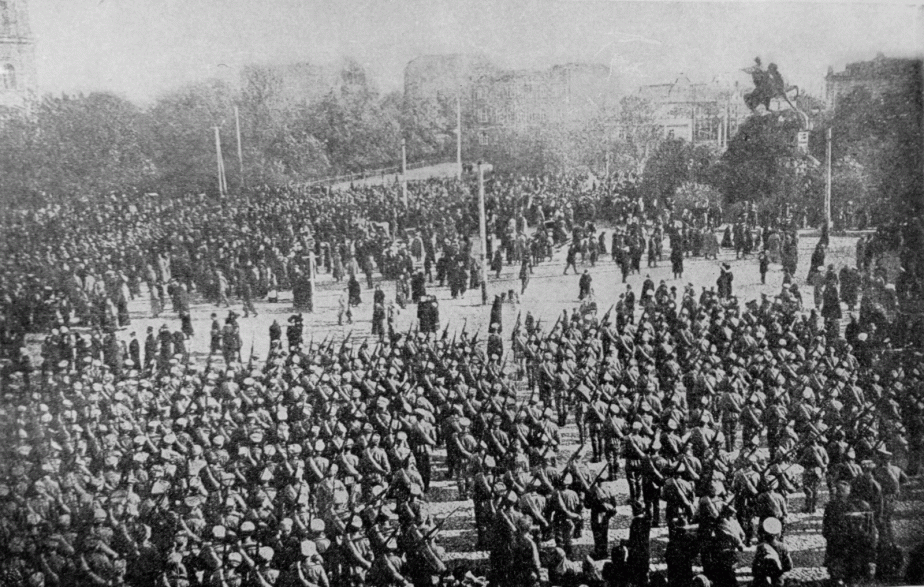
[140, 49]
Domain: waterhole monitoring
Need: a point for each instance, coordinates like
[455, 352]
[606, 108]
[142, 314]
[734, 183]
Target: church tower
[17, 57]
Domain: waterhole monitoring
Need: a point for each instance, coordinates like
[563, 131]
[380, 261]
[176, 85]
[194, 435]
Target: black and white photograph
[526, 293]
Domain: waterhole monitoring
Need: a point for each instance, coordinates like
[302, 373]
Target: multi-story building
[515, 101]
[879, 76]
[701, 113]
[17, 57]
[443, 77]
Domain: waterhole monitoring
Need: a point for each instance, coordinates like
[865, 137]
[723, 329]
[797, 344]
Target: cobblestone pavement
[549, 292]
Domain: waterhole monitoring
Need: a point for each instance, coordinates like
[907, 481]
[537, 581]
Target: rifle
[436, 528]
[345, 341]
[600, 474]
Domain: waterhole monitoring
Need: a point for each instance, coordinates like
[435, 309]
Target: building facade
[515, 101]
[17, 57]
[700, 113]
[879, 76]
[444, 77]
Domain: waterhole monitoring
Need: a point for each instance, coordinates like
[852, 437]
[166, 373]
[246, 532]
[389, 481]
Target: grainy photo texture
[442, 294]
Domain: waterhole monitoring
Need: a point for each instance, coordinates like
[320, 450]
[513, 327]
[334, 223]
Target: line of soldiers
[318, 462]
[670, 395]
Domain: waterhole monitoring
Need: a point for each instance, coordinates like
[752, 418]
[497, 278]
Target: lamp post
[828, 186]
[483, 230]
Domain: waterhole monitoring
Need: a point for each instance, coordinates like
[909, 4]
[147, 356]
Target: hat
[772, 526]
[308, 548]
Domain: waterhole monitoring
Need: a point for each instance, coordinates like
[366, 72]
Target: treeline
[291, 132]
[877, 162]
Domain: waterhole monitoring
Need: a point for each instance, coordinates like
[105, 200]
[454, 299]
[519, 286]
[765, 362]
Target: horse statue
[769, 84]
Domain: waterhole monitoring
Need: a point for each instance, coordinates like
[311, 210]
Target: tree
[761, 164]
[876, 151]
[674, 163]
[637, 134]
[183, 137]
[73, 144]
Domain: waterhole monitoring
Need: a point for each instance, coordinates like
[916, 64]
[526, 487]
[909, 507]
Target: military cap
[772, 526]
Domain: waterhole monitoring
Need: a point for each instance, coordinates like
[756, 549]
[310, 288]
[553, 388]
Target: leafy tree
[876, 151]
[74, 143]
[183, 137]
[763, 166]
[674, 163]
[637, 134]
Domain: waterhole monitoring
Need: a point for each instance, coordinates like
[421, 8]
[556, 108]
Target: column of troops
[314, 466]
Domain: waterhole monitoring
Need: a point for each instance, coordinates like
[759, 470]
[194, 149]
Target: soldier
[639, 545]
[653, 467]
[602, 504]
[771, 560]
[567, 514]
[464, 446]
[482, 494]
[423, 440]
[374, 465]
[867, 489]
[682, 548]
[731, 406]
[636, 449]
[814, 463]
[770, 503]
[614, 430]
[525, 566]
[890, 479]
[727, 542]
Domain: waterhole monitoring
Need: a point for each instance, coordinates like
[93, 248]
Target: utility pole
[312, 270]
[240, 149]
[459, 137]
[828, 186]
[482, 226]
[404, 171]
[222, 183]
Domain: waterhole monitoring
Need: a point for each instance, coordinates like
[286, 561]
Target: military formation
[314, 464]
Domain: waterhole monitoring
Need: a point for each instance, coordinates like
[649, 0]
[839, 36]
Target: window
[7, 77]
